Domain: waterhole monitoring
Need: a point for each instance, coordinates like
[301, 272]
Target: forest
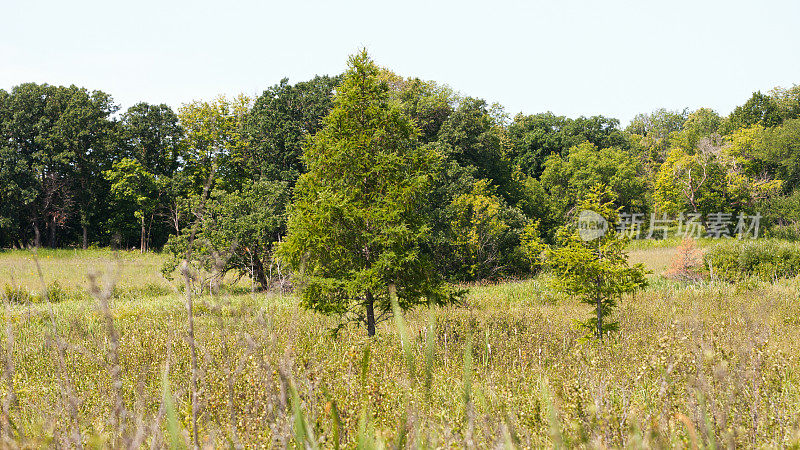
[76, 171]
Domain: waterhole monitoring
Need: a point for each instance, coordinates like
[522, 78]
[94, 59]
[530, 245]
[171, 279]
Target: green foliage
[689, 182]
[54, 292]
[535, 137]
[472, 138]
[427, 103]
[235, 231]
[214, 138]
[788, 101]
[768, 260]
[779, 149]
[482, 193]
[655, 132]
[16, 294]
[595, 271]
[281, 119]
[55, 141]
[760, 109]
[699, 124]
[131, 183]
[152, 136]
[537, 204]
[783, 213]
[134, 192]
[568, 180]
[485, 234]
[355, 226]
[659, 124]
[532, 246]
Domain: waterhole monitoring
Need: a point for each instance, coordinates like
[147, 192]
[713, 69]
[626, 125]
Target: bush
[785, 232]
[54, 293]
[147, 290]
[16, 294]
[764, 259]
[687, 265]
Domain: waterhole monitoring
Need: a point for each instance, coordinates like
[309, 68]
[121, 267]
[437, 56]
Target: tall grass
[694, 365]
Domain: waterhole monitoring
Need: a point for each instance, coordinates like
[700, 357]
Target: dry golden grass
[702, 364]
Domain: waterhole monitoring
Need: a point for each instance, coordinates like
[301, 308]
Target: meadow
[708, 364]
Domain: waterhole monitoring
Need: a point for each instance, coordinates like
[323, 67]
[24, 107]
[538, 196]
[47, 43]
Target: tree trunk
[85, 237]
[599, 319]
[143, 240]
[149, 230]
[53, 233]
[259, 274]
[176, 220]
[370, 314]
[37, 235]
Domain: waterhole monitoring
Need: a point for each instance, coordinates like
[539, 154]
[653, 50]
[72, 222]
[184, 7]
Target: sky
[616, 58]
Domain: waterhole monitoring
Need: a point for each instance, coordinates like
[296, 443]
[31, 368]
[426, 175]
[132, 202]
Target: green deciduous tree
[694, 183]
[152, 135]
[535, 137]
[471, 137]
[568, 180]
[699, 124]
[281, 119]
[355, 226]
[235, 231]
[652, 136]
[428, 103]
[55, 141]
[788, 101]
[774, 152]
[485, 234]
[214, 139]
[134, 190]
[760, 109]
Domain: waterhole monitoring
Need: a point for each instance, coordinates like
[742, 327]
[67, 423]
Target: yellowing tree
[214, 133]
[688, 182]
[480, 230]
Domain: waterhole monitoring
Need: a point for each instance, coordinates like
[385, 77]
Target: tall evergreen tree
[355, 228]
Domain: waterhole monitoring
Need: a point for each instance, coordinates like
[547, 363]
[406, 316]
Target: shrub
[785, 232]
[16, 294]
[763, 259]
[147, 290]
[687, 265]
[53, 293]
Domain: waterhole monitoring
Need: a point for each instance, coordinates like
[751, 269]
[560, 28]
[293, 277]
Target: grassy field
[702, 365]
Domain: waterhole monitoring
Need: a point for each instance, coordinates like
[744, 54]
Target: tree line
[486, 188]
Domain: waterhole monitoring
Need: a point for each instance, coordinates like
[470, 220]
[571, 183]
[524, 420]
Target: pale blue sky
[616, 57]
